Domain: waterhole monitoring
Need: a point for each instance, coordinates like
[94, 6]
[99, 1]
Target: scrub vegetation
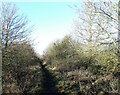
[87, 62]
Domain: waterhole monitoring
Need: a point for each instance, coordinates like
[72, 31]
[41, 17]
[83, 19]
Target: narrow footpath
[48, 82]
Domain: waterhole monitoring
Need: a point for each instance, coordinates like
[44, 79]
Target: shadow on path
[48, 82]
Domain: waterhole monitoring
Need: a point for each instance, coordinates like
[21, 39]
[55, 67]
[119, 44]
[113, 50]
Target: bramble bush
[82, 72]
[21, 71]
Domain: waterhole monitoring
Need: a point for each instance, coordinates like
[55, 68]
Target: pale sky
[51, 20]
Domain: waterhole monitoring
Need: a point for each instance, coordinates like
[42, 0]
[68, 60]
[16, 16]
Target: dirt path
[48, 82]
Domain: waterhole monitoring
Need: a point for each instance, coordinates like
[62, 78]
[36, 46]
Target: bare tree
[97, 24]
[108, 11]
[86, 28]
[13, 26]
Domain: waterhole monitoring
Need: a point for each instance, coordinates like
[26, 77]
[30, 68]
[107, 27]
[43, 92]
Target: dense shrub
[21, 71]
[80, 71]
[63, 52]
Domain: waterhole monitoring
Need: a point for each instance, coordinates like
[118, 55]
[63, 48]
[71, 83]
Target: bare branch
[13, 25]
